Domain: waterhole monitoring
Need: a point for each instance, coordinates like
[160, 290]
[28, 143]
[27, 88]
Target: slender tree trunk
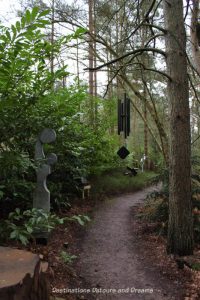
[52, 35]
[180, 227]
[95, 72]
[194, 35]
[145, 130]
[117, 51]
[144, 33]
[77, 63]
[110, 92]
[91, 61]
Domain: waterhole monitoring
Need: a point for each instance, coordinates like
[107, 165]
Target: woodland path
[112, 258]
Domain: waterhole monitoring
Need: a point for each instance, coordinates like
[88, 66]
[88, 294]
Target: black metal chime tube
[128, 116]
[119, 117]
[124, 116]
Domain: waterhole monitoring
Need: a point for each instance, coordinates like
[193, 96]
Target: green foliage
[156, 209]
[114, 182]
[22, 226]
[16, 170]
[82, 220]
[31, 99]
[196, 266]
[67, 258]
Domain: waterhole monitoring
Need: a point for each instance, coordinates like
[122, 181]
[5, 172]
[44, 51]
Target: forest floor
[117, 257]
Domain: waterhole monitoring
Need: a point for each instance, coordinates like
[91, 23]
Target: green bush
[23, 226]
[31, 99]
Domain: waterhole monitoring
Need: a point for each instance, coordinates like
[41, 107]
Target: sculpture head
[47, 136]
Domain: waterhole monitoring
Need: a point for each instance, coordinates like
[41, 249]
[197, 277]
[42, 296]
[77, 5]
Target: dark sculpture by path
[41, 197]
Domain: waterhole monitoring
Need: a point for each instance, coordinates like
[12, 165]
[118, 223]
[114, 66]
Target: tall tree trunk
[145, 130]
[91, 61]
[180, 227]
[52, 35]
[195, 32]
[144, 34]
[77, 63]
[95, 72]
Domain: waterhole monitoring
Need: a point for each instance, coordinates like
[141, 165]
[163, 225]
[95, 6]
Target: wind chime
[124, 123]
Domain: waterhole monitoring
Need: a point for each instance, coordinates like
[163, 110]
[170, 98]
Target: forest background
[125, 42]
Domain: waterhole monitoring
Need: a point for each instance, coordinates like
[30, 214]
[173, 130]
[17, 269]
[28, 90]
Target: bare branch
[195, 140]
[155, 26]
[110, 81]
[193, 88]
[153, 38]
[146, 19]
[137, 51]
[187, 9]
[154, 70]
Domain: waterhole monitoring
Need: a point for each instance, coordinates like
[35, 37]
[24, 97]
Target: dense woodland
[64, 66]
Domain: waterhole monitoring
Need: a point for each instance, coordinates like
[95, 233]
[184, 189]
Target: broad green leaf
[28, 17]
[4, 71]
[8, 35]
[46, 22]
[14, 30]
[13, 234]
[18, 26]
[41, 25]
[78, 219]
[23, 239]
[87, 218]
[29, 229]
[34, 13]
[17, 211]
[44, 13]
[80, 31]
[3, 38]
[23, 22]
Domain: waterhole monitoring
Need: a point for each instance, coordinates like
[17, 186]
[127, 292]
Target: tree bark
[91, 61]
[22, 276]
[194, 35]
[145, 132]
[180, 227]
[52, 36]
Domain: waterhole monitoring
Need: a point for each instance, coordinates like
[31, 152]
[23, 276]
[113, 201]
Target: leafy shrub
[22, 226]
[32, 99]
[156, 210]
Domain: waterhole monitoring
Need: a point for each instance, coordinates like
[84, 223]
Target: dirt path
[111, 257]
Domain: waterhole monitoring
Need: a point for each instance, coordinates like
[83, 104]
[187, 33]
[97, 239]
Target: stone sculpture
[142, 161]
[41, 197]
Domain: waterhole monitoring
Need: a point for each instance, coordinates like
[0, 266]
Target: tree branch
[154, 70]
[155, 26]
[153, 38]
[193, 88]
[139, 51]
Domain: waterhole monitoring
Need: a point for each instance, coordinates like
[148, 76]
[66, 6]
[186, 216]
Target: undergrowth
[115, 182]
[156, 210]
